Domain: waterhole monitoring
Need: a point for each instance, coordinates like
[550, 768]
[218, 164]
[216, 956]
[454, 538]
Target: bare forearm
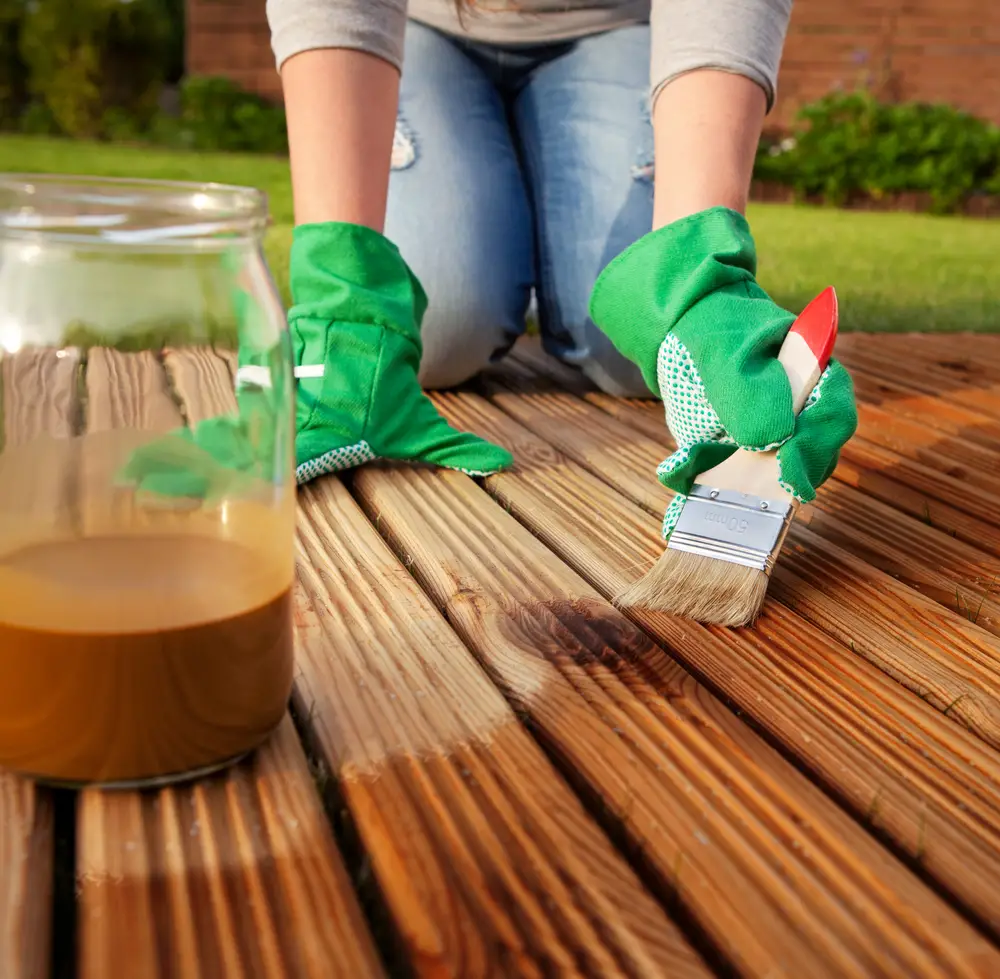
[341, 108]
[707, 126]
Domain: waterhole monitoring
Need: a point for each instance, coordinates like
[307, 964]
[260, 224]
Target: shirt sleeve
[745, 37]
[374, 26]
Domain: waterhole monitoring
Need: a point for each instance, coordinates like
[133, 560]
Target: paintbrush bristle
[701, 588]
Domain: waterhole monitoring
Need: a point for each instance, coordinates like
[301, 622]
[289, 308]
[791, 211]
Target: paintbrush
[720, 554]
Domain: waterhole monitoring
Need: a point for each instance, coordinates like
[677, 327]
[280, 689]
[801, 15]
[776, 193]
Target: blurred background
[879, 170]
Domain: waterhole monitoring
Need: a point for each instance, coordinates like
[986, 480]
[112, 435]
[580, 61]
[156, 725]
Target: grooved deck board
[484, 857]
[878, 474]
[906, 771]
[924, 374]
[40, 401]
[488, 862]
[236, 876]
[202, 379]
[26, 849]
[926, 409]
[780, 878]
[935, 651]
[230, 877]
[525, 781]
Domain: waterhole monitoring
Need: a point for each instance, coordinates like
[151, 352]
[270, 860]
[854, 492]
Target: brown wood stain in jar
[136, 642]
[174, 688]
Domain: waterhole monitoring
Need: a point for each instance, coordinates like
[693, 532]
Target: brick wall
[231, 37]
[933, 50]
[927, 50]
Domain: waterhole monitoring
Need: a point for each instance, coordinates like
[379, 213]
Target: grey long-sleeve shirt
[741, 36]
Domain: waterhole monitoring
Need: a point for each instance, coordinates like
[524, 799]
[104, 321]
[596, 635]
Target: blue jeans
[517, 169]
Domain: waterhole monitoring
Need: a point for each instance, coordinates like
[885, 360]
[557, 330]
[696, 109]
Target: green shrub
[120, 126]
[88, 57]
[95, 69]
[850, 144]
[37, 120]
[216, 114]
[173, 53]
[13, 70]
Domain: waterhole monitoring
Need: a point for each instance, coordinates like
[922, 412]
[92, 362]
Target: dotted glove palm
[684, 305]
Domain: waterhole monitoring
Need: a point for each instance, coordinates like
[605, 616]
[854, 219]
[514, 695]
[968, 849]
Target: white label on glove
[261, 376]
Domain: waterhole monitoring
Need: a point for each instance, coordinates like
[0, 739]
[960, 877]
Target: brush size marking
[732, 523]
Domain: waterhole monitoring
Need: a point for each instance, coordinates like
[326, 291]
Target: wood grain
[967, 354]
[927, 553]
[779, 877]
[905, 406]
[937, 652]
[40, 412]
[901, 766]
[956, 457]
[940, 566]
[236, 876]
[128, 390]
[38, 467]
[486, 861]
[128, 403]
[26, 849]
[920, 491]
[203, 381]
[906, 486]
[981, 394]
[926, 409]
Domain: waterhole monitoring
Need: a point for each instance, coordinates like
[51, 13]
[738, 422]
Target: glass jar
[147, 494]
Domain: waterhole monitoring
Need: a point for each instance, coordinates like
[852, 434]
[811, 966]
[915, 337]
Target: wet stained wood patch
[488, 770]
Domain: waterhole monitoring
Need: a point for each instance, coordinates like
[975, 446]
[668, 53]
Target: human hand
[683, 303]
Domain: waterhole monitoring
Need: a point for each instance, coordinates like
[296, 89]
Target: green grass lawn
[892, 271]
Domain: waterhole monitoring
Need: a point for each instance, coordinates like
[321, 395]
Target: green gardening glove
[356, 335]
[215, 459]
[229, 453]
[355, 330]
[683, 304]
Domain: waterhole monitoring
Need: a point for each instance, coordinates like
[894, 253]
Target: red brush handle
[809, 344]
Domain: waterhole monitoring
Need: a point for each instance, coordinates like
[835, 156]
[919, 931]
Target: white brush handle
[804, 355]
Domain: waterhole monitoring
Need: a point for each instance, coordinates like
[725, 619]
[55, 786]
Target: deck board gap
[389, 944]
[63, 958]
[631, 851]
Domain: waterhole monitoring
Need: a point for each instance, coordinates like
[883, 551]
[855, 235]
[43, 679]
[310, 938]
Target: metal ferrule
[728, 526]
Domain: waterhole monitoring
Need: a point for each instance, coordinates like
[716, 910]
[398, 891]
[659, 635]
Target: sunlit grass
[892, 271]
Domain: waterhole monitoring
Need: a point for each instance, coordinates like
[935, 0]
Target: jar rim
[129, 210]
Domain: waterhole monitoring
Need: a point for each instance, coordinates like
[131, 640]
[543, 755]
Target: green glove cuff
[694, 281]
[826, 423]
[643, 293]
[349, 284]
[352, 274]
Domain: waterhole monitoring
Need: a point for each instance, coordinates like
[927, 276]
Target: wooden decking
[487, 770]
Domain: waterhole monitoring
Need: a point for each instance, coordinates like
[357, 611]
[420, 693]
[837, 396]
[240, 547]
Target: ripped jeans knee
[404, 146]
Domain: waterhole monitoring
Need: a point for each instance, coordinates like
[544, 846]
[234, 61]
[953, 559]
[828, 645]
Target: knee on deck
[459, 343]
